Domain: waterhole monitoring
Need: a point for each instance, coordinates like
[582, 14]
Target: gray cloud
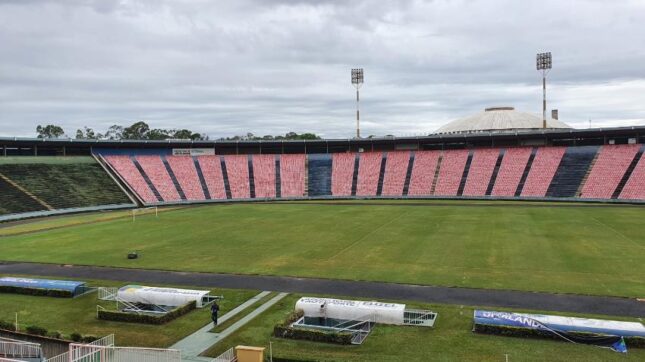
[229, 67]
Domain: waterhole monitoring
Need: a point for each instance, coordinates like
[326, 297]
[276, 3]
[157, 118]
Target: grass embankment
[79, 315]
[451, 339]
[586, 250]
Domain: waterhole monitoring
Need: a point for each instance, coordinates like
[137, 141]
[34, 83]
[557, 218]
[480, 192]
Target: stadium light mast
[357, 81]
[543, 62]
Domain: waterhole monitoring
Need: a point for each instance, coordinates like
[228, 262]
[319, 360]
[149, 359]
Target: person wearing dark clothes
[214, 311]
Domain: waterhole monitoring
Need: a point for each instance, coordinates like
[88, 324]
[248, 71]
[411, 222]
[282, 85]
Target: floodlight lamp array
[357, 76]
[544, 61]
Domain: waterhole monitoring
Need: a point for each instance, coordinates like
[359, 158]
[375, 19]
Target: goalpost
[144, 211]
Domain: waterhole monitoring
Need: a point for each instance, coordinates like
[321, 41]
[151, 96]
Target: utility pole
[357, 81]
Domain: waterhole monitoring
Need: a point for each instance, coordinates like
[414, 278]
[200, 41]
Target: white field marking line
[619, 233]
[366, 235]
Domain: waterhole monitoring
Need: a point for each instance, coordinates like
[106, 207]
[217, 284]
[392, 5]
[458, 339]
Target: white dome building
[500, 119]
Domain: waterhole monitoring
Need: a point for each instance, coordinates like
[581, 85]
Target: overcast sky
[269, 67]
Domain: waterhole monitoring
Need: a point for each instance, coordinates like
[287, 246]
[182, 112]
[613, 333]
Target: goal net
[152, 210]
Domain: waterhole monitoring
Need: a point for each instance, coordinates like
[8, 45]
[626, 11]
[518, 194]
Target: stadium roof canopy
[500, 119]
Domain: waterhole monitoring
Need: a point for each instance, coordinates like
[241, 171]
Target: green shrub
[89, 338]
[7, 326]
[284, 330]
[38, 331]
[76, 337]
[37, 292]
[117, 316]
[55, 334]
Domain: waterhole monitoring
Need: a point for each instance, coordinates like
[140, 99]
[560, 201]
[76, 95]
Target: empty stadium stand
[292, 175]
[211, 168]
[480, 172]
[156, 171]
[320, 174]
[264, 176]
[453, 164]
[608, 170]
[237, 170]
[342, 173]
[423, 173]
[183, 168]
[511, 171]
[125, 167]
[396, 166]
[572, 170]
[31, 184]
[543, 168]
[369, 168]
[635, 186]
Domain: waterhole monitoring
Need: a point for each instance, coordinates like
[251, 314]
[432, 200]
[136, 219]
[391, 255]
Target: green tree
[137, 131]
[87, 134]
[50, 131]
[115, 132]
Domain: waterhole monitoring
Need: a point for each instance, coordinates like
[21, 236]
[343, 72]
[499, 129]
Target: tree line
[142, 131]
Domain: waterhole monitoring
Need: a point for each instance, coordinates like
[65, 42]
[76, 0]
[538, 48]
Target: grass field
[525, 246]
[451, 339]
[79, 315]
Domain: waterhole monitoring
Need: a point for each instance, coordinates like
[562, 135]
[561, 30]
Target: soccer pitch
[584, 249]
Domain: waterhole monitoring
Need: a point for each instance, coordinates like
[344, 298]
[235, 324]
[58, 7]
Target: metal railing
[228, 356]
[107, 341]
[87, 353]
[418, 317]
[18, 349]
[108, 293]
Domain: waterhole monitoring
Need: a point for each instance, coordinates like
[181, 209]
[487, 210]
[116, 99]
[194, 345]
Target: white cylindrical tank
[160, 296]
[386, 313]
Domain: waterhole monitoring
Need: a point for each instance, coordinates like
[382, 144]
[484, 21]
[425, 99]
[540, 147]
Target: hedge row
[43, 332]
[117, 316]
[284, 330]
[37, 292]
[636, 342]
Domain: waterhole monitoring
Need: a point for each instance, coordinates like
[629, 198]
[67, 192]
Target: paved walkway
[628, 307]
[199, 341]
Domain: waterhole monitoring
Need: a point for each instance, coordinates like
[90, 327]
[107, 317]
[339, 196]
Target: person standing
[214, 311]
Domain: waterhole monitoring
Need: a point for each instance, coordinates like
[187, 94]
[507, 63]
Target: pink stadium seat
[609, 168]
[451, 172]
[264, 175]
[480, 172]
[369, 169]
[511, 171]
[292, 175]
[129, 172]
[423, 170]
[157, 173]
[543, 169]
[635, 187]
[342, 173]
[184, 169]
[212, 171]
[396, 167]
[237, 168]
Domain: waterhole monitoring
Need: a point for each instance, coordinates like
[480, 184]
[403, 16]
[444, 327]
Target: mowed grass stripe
[553, 249]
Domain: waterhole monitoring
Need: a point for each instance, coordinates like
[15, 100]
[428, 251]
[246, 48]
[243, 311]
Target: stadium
[492, 211]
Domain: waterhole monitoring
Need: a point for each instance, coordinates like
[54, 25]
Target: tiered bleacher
[237, 169]
[395, 173]
[264, 176]
[453, 163]
[481, 170]
[342, 173]
[609, 172]
[369, 167]
[292, 175]
[33, 184]
[423, 173]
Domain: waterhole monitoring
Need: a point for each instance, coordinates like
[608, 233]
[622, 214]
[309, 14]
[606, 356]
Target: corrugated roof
[500, 119]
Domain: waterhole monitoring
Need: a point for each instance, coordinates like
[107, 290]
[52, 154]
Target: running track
[359, 289]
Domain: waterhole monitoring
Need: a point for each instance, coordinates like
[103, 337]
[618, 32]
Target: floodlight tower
[357, 81]
[543, 62]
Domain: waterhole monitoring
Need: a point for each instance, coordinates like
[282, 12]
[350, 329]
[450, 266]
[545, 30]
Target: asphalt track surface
[491, 298]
